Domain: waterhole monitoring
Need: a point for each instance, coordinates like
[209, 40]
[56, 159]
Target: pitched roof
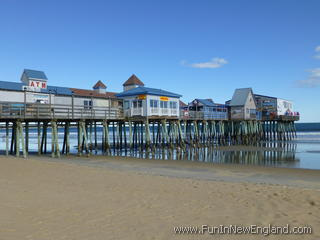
[89, 93]
[17, 86]
[99, 84]
[240, 96]
[182, 104]
[259, 95]
[35, 74]
[206, 102]
[133, 80]
[150, 91]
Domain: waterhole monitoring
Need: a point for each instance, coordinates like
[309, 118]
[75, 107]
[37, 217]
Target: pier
[127, 133]
[139, 117]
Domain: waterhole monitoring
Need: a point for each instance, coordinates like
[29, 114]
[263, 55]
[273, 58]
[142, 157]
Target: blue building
[207, 109]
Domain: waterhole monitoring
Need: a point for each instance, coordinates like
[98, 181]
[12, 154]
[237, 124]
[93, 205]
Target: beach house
[139, 100]
[272, 107]
[33, 93]
[208, 110]
[243, 105]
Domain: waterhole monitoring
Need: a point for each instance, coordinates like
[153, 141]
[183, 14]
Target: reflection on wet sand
[266, 153]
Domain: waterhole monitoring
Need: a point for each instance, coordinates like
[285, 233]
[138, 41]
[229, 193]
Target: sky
[199, 49]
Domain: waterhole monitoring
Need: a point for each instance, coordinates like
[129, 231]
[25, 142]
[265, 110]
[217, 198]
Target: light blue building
[208, 110]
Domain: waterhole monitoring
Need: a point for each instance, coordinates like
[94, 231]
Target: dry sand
[68, 199]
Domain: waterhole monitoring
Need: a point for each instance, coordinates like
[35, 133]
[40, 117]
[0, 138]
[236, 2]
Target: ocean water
[302, 152]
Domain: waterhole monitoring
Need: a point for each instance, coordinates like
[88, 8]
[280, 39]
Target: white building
[142, 101]
[33, 92]
[284, 107]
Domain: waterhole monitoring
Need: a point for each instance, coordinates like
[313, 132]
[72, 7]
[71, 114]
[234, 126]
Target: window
[126, 104]
[173, 105]
[153, 103]
[87, 104]
[137, 104]
[163, 104]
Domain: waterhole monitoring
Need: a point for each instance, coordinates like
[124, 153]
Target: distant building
[284, 107]
[33, 92]
[272, 107]
[182, 105]
[266, 106]
[143, 101]
[34, 89]
[243, 105]
[207, 109]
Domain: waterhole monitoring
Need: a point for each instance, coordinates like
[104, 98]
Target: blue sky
[200, 49]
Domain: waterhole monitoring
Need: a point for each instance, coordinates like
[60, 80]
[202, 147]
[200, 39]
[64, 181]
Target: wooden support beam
[7, 138]
[39, 136]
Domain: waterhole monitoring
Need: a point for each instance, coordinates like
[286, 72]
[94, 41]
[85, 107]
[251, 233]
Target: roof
[35, 74]
[92, 93]
[240, 96]
[99, 84]
[258, 95]
[149, 91]
[17, 86]
[206, 102]
[182, 104]
[133, 80]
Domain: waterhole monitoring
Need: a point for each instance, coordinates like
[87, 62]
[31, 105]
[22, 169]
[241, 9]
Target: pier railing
[15, 110]
[281, 118]
[197, 115]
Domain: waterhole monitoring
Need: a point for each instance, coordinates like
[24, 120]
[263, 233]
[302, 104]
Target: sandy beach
[116, 198]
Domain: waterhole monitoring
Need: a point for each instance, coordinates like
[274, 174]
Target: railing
[154, 111]
[281, 117]
[15, 110]
[197, 115]
[136, 111]
[164, 111]
[56, 111]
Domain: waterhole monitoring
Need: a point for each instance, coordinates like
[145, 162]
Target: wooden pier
[119, 132]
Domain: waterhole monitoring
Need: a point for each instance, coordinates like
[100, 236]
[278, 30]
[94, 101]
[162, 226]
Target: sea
[301, 152]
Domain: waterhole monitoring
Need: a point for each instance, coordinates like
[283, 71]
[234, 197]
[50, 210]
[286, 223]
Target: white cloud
[213, 63]
[315, 72]
[317, 50]
[312, 81]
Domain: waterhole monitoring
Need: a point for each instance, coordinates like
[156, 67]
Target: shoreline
[226, 172]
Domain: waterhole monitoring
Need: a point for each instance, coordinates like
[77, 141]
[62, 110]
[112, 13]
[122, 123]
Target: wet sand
[126, 198]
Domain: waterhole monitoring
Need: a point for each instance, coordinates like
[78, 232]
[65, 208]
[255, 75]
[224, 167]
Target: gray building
[243, 105]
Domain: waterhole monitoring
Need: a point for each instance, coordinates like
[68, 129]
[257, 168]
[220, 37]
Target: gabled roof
[91, 93]
[182, 104]
[35, 74]
[149, 91]
[17, 86]
[99, 84]
[258, 95]
[206, 102]
[133, 80]
[240, 96]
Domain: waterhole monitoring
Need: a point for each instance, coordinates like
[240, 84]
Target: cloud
[213, 63]
[312, 81]
[317, 50]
